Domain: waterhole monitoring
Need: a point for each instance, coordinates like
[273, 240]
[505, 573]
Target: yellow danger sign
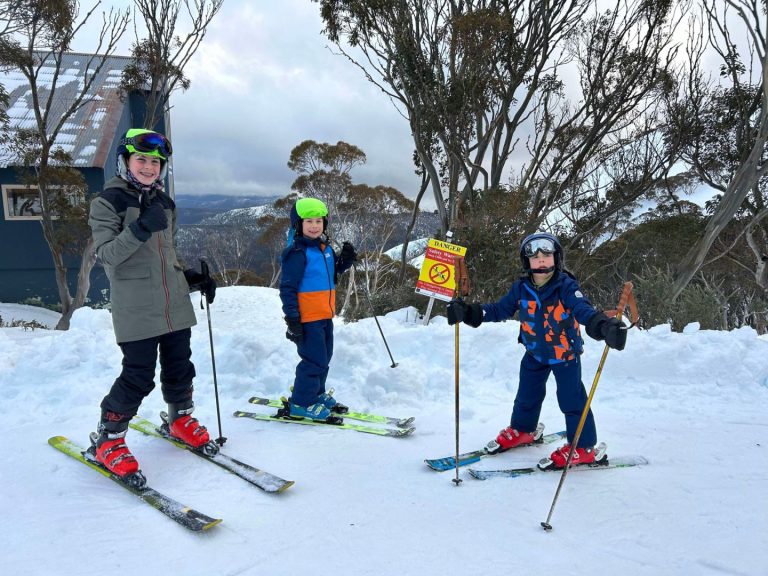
[438, 276]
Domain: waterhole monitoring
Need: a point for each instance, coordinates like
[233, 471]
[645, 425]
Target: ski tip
[284, 487]
[211, 524]
[53, 440]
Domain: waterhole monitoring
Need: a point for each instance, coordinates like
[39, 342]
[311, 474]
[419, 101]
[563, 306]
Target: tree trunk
[411, 224]
[738, 188]
[87, 260]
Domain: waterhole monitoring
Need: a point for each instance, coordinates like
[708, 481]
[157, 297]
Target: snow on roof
[89, 133]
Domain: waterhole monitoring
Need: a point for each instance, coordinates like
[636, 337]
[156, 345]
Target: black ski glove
[295, 332]
[460, 311]
[153, 219]
[612, 330]
[198, 281]
[348, 254]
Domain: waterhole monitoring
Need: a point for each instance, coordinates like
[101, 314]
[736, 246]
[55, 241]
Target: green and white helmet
[308, 208]
[143, 141]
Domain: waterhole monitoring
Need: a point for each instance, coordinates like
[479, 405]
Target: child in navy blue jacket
[550, 307]
[308, 293]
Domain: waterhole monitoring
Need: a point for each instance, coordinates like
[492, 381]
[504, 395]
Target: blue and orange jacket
[308, 280]
[549, 316]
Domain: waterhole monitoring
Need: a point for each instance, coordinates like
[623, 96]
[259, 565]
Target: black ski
[259, 478]
[184, 515]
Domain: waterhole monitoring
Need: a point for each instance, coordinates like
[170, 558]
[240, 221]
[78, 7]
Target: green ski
[395, 432]
[362, 416]
[184, 515]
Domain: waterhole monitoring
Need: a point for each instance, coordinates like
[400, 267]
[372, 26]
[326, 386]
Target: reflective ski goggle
[544, 245]
[150, 142]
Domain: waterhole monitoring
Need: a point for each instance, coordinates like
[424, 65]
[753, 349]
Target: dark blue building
[90, 137]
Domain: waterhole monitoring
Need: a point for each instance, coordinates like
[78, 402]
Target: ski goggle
[148, 142]
[544, 245]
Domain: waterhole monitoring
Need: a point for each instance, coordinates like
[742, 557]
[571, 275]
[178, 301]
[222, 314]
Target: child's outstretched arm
[460, 311]
[612, 330]
[346, 258]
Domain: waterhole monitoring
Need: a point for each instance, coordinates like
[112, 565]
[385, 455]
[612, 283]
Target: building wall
[26, 265]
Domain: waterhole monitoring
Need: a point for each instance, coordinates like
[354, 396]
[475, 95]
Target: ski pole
[462, 289]
[626, 298]
[376, 319]
[207, 273]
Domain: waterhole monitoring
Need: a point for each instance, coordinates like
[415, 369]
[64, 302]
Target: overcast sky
[264, 80]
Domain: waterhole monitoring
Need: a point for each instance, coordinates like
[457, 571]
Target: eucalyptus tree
[721, 130]
[488, 88]
[43, 31]
[159, 59]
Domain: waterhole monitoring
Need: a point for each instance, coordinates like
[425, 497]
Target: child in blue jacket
[550, 306]
[308, 293]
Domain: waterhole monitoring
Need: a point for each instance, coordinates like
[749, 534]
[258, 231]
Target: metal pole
[456, 480]
[376, 319]
[622, 304]
[462, 289]
[206, 272]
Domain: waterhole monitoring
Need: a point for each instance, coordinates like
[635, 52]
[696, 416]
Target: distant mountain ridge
[193, 209]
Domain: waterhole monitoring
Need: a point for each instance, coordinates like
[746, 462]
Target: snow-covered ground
[19, 312]
[695, 404]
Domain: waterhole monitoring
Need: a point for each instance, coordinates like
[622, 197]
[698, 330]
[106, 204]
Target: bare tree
[371, 216]
[733, 159]
[605, 149]
[463, 73]
[475, 77]
[44, 32]
[323, 172]
[272, 240]
[160, 59]
[232, 252]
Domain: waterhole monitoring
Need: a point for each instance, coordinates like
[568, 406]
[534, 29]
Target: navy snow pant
[315, 351]
[137, 379]
[571, 397]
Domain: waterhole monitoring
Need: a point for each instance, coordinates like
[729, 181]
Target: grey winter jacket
[149, 293]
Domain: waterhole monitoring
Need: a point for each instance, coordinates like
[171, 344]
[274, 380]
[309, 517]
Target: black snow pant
[137, 379]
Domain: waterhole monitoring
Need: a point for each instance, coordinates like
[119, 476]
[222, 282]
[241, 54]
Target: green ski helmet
[147, 142]
[308, 208]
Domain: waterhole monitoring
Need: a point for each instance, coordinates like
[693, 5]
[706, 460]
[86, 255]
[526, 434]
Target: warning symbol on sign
[439, 274]
[437, 278]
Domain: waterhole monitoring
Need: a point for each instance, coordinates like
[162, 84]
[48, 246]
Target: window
[22, 202]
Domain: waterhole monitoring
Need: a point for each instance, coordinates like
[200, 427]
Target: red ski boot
[112, 453]
[581, 456]
[183, 427]
[512, 438]
[190, 431]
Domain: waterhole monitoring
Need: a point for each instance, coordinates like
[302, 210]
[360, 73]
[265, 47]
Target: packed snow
[693, 403]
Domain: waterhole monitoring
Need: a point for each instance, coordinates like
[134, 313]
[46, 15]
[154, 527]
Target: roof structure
[88, 134]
